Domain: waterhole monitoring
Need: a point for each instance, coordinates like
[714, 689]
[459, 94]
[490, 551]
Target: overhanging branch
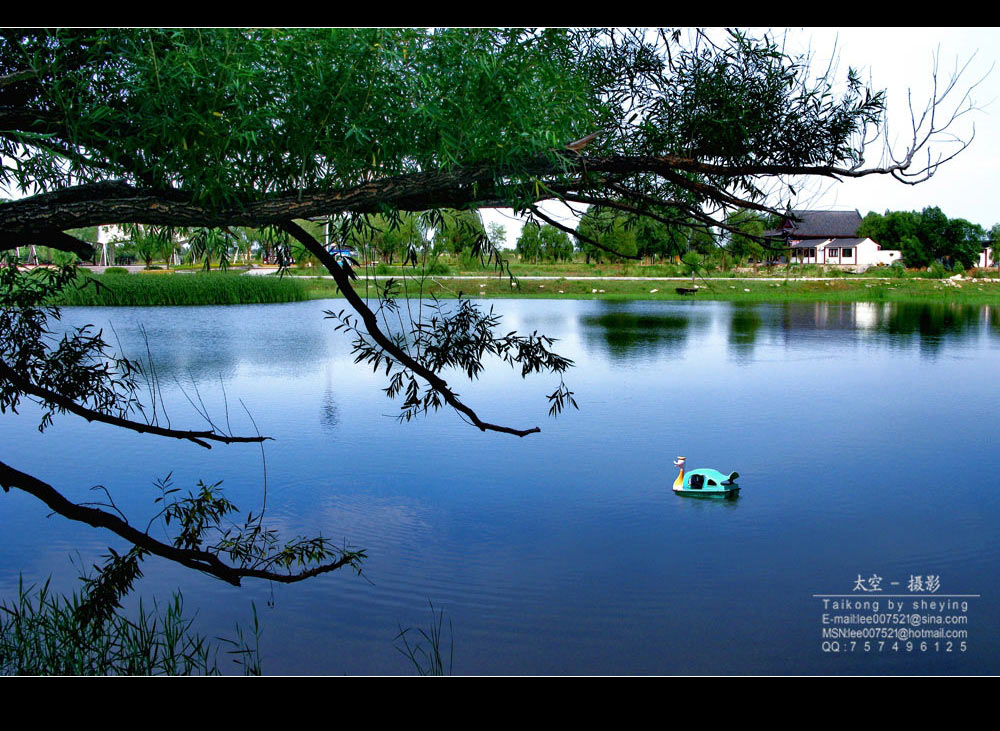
[48, 396]
[371, 324]
[205, 561]
[119, 202]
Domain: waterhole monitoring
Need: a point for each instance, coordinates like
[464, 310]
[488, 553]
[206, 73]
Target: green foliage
[225, 111]
[184, 289]
[609, 228]
[199, 519]
[529, 243]
[744, 242]
[555, 244]
[925, 236]
[78, 365]
[116, 271]
[148, 243]
[545, 243]
[657, 240]
[45, 634]
[937, 270]
[440, 268]
[457, 230]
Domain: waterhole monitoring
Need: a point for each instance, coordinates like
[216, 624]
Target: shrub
[439, 268]
[937, 271]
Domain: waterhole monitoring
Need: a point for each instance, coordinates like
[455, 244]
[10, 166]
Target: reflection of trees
[184, 346]
[743, 327]
[932, 322]
[931, 325]
[905, 323]
[622, 334]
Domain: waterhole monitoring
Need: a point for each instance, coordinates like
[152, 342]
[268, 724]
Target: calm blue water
[864, 436]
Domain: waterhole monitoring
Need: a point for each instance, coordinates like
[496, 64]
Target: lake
[864, 435]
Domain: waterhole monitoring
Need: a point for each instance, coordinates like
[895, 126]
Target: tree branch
[117, 201]
[205, 561]
[371, 324]
[200, 438]
[52, 239]
[576, 234]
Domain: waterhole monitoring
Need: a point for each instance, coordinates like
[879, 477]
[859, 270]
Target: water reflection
[932, 323]
[195, 343]
[624, 332]
[926, 326]
[841, 473]
[329, 413]
[743, 326]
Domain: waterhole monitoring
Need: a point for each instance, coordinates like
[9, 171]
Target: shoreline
[233, 288]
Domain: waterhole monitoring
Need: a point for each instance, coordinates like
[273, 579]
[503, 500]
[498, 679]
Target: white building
[843, 252]
[986, 258]
[830, 238]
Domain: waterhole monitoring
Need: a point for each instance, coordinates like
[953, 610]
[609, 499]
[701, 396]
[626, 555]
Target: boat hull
[705, 482]
[717, 492]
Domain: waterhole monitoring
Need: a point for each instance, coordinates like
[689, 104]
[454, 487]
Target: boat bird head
[679, 462]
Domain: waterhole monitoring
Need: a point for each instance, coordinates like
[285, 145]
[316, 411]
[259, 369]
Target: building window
[832, 252]
[847, 253]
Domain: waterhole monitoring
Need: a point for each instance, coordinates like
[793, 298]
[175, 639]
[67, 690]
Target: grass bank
[217, 288]
[862, 289]
[137, 290]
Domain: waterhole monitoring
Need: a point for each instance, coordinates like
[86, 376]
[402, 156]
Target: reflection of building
[830, 238]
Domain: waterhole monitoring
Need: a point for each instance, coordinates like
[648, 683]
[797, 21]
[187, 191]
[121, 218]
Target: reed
[45, 634]
[180, 289]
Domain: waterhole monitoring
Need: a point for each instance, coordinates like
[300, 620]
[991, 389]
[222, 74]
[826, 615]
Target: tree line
[930, 236]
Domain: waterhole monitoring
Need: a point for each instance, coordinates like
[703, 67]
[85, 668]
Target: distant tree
[995, 244]
[497, 235]
[149, 243]
[658, 240]
[964, 241]
[898, 230]
[529, 243]
[458, 230]
[603, 233]
[925, 237]
[701, 239]
[386, 237]
[743, 239]
[555, 244]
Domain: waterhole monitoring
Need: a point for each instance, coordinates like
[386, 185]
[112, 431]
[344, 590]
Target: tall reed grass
[137, 290]
[45, 634]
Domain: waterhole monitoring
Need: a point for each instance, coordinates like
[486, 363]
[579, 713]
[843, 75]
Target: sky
[901, 61]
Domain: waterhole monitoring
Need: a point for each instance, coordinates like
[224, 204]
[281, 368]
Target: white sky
[901, 60]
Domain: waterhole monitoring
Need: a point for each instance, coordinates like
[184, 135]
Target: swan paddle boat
[705, 482]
